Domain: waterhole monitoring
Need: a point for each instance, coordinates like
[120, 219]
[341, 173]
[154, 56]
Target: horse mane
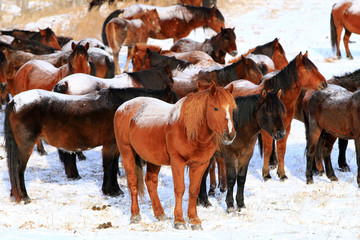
[267, 49]
[203, 12]
[158, 60]
[193, 111]
[227, 74]
[155, 78]
[350, 81]
[32, 46]
[2, 57]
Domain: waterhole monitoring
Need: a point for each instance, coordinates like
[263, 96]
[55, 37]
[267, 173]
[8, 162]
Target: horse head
[79, 59]
[227, 41]
[48, 38]
[247, 68]
[3, 70]
[151, 19]
[270, 114]
[219, 112]
[215, 20]
[278, 55]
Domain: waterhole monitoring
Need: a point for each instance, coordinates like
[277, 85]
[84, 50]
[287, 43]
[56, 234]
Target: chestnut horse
[45, 36]
[43, 75]
[179, 135]
[120, 31]
[334, 110]
[273, 50]
[344, 14]
[217, 46]
[255, 112]
[68, 122]
[299, 73]
[176, 21]
[197, 58]
[190, 2]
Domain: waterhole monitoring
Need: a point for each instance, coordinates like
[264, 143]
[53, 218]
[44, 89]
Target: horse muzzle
[234, 53]
[323, 85]
[279, 135]
[228, 138]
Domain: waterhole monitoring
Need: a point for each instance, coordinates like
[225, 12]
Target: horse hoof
[74, 178]
[283, 178]
[196, 227]
[207, 204]
[345, 168]
[116, 193]
[26, 200]
[135, 219]
[333, 178]
[162, 218]
[223, 189]
[267, 177]
[242, 206]
[211, 192]
[180, 226]
[272, 167]
[309, 181]
[230, 210]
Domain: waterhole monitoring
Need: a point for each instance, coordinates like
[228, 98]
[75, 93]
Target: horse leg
[203, 197]
[338, 37]
[329, 143]
[129, 57]
[221, 174]
[40, 147]
[211, 170]
[230, 181]
[129, 164]
[346, 43]
[312, 137]
[267, 145]
[357, 145]
[344, 167]
[81, 156]
[177, 169]
[110, 156]
[151, 180]
[196, 171]
[241, 178]
[273, 162]
[69, 161]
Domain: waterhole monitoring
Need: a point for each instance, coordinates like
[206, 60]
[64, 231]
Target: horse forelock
[284, 79]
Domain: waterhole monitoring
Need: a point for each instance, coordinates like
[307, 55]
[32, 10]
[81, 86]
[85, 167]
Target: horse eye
[216, 109]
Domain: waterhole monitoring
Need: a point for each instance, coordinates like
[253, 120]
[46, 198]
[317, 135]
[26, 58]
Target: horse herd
[179, 107]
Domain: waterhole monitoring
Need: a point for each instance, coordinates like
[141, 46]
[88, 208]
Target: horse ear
[213, 10]
[233, 29]
[231, 88]
[276, 42]
[148, 50]
[198, 85]
[279, 93]
[73, 46]
[213, 90]
[221, 29]
[306, 54]
[159, 52]
[87, 46]
[42, 32]
[263, 93]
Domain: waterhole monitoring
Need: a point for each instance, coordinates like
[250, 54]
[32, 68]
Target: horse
[186, 78]
[217, 46]
[273, 50]
[44, 36]
[88, 123]
[43, 75]
[93, 43]
[176, 135]
[120, 31]
[299, 73]
[32, 46]
[344, 14]
[3, 78]
[176, 21]
[98, 3]
[190, 2]
[197, 58]
[334, 110]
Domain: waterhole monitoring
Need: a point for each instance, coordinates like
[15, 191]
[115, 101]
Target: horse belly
[332, 123]
[149, 143]
[352, 21]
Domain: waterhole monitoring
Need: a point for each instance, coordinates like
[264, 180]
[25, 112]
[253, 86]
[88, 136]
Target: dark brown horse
[176, 21]
[3, 78]
[334, 110]
[344, 15]
[217, 46]
[60, 120]
[120, 31]
[44, 36]
[255, 113]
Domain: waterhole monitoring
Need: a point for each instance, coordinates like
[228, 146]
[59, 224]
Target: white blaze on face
[228, 117]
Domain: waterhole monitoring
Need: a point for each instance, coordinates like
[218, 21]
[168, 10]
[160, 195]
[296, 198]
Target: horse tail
[110, 68]
[261, 145]
[12, 151]
[140, 176]
[306, 123]
[333, 33]
[320, 146]
[61, 87]
[112, 15]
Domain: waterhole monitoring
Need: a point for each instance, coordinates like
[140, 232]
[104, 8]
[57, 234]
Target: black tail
[261, 146]
[110, 68]
[12, 151]
[140, 176]
[112, 15]
[333, 33]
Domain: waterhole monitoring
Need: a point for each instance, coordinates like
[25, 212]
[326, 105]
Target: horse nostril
[280, 134]
[324, 84]
[234, 53]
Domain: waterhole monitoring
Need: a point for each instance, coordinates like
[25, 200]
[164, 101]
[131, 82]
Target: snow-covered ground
[64, 209]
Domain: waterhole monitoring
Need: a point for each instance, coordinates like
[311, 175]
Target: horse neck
[226, 75]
